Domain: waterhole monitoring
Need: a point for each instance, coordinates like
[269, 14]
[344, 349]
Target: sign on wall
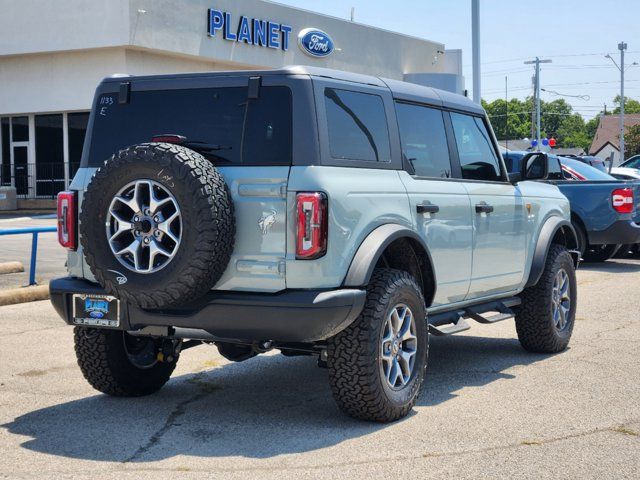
[267, 33]
[252, 31]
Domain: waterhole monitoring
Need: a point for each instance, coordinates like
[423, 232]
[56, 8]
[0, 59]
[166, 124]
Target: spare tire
[169, 225]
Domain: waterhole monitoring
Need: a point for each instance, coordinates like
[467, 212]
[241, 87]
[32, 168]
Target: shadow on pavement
[267, 406]
[612, 266]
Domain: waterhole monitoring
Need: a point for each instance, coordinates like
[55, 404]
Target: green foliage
[632, 141]
[630, 105]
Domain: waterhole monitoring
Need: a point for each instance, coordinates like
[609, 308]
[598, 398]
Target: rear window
[357, 126]
[238, 131]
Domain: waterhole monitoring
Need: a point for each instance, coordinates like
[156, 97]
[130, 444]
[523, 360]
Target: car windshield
[633, 162]
[584, 170]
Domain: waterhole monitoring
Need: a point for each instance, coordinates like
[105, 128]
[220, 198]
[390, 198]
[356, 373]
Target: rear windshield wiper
[204, 148]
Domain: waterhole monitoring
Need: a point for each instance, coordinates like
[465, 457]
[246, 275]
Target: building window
[20, 127]
[77, 128]
[5, 168]
[49, 167]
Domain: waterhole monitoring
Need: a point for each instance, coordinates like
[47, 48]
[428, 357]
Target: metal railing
[37, 180]
[34, 245]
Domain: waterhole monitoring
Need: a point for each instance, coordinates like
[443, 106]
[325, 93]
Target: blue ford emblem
[315, 42]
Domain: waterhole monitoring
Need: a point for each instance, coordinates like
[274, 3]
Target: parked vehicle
[605, 212]
[309, 210]
[631, 162]
[625, 173]
[590, 160]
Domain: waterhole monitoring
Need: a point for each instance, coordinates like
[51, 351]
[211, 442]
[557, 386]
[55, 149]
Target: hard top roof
[400, 90]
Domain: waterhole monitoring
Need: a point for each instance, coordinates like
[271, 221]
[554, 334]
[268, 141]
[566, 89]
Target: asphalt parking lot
[489, 409]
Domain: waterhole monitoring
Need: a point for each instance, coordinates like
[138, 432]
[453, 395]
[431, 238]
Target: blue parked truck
[605, 211]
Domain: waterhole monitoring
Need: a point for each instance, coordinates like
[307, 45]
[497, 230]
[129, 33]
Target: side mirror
[535, 166]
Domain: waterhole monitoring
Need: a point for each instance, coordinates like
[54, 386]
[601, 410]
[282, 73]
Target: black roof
[400, 90]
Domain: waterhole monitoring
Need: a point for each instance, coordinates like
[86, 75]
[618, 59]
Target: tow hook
[169, 350]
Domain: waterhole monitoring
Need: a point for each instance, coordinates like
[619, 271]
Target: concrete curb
[23, 295]
[11, 267]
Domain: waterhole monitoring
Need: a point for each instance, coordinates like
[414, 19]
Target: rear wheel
[600, 253]
[377, 364]
[119, 364]
[544, 320]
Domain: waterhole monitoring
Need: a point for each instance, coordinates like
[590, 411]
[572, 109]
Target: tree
[630, 105]
[632, 141]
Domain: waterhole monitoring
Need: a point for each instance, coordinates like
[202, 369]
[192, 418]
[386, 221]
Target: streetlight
[622, 46]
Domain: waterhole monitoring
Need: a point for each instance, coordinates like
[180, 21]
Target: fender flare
[547, 233]
[371, 249]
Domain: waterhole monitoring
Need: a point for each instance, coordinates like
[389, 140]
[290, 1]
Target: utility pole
[622, 46]
[537, 63]
[475, 48]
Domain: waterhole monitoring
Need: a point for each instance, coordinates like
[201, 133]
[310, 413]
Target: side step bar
[448, 323]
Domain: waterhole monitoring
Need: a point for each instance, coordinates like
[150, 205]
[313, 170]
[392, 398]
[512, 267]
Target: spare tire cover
[157, 225]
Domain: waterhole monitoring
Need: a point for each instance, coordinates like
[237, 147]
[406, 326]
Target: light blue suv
[312, 211]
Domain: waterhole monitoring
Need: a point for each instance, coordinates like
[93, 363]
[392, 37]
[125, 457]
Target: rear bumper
[288, 316]
[620, 232]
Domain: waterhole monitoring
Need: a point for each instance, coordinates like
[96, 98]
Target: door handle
[427, 208]
[483, 207]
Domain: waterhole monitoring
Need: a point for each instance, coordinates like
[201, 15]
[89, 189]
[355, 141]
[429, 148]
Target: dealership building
[53, 54]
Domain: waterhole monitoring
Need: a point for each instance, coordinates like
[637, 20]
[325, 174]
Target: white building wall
[606, 151]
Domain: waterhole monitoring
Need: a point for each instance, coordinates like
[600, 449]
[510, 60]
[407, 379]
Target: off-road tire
[600, 253]
[536, 328]
[104, 362]
[208, 227]
[354, 354]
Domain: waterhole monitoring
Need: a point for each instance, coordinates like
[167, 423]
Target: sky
[575, 34]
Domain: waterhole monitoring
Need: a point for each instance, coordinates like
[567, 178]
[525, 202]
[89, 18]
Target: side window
[478, 158]
[357, 126]
[555, 172]
[424, 140]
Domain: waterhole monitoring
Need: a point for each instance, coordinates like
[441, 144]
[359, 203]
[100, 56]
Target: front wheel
[377, 364]
[545, 319]
[119, 364]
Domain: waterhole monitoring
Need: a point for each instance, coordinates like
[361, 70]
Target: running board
[448, 323]
[442, 331]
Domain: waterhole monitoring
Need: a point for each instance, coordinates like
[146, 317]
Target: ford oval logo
[315, 42]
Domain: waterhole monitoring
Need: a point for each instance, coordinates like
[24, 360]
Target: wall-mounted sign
[252, 31]
[315, 42]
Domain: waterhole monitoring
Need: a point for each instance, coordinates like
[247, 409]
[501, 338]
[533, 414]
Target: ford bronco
[312, 211]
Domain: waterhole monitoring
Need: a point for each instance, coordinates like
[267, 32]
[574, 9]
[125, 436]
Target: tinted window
[555, 172]
[633, 162]
[424, 141]
[357, 126]
[236, 130]
[20, 127]
[5, 170]
[77, 131]
[586, 171]
[49, 154]
[478, 158]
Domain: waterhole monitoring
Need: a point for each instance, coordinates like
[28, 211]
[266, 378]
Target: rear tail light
[312, 222]
[622, 200]
[67, 220]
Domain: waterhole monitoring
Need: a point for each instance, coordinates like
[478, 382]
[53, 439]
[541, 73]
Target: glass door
[20, 152]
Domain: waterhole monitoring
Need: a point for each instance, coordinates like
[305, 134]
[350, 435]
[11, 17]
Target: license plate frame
[95, 310]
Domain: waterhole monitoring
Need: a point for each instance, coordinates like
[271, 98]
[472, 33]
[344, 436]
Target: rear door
[497, 208]
[249, 141]
[440, 205]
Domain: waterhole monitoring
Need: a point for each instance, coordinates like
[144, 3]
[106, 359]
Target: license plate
[96, 310]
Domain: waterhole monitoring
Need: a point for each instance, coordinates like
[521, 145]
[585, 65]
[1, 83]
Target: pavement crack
[178, 411]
